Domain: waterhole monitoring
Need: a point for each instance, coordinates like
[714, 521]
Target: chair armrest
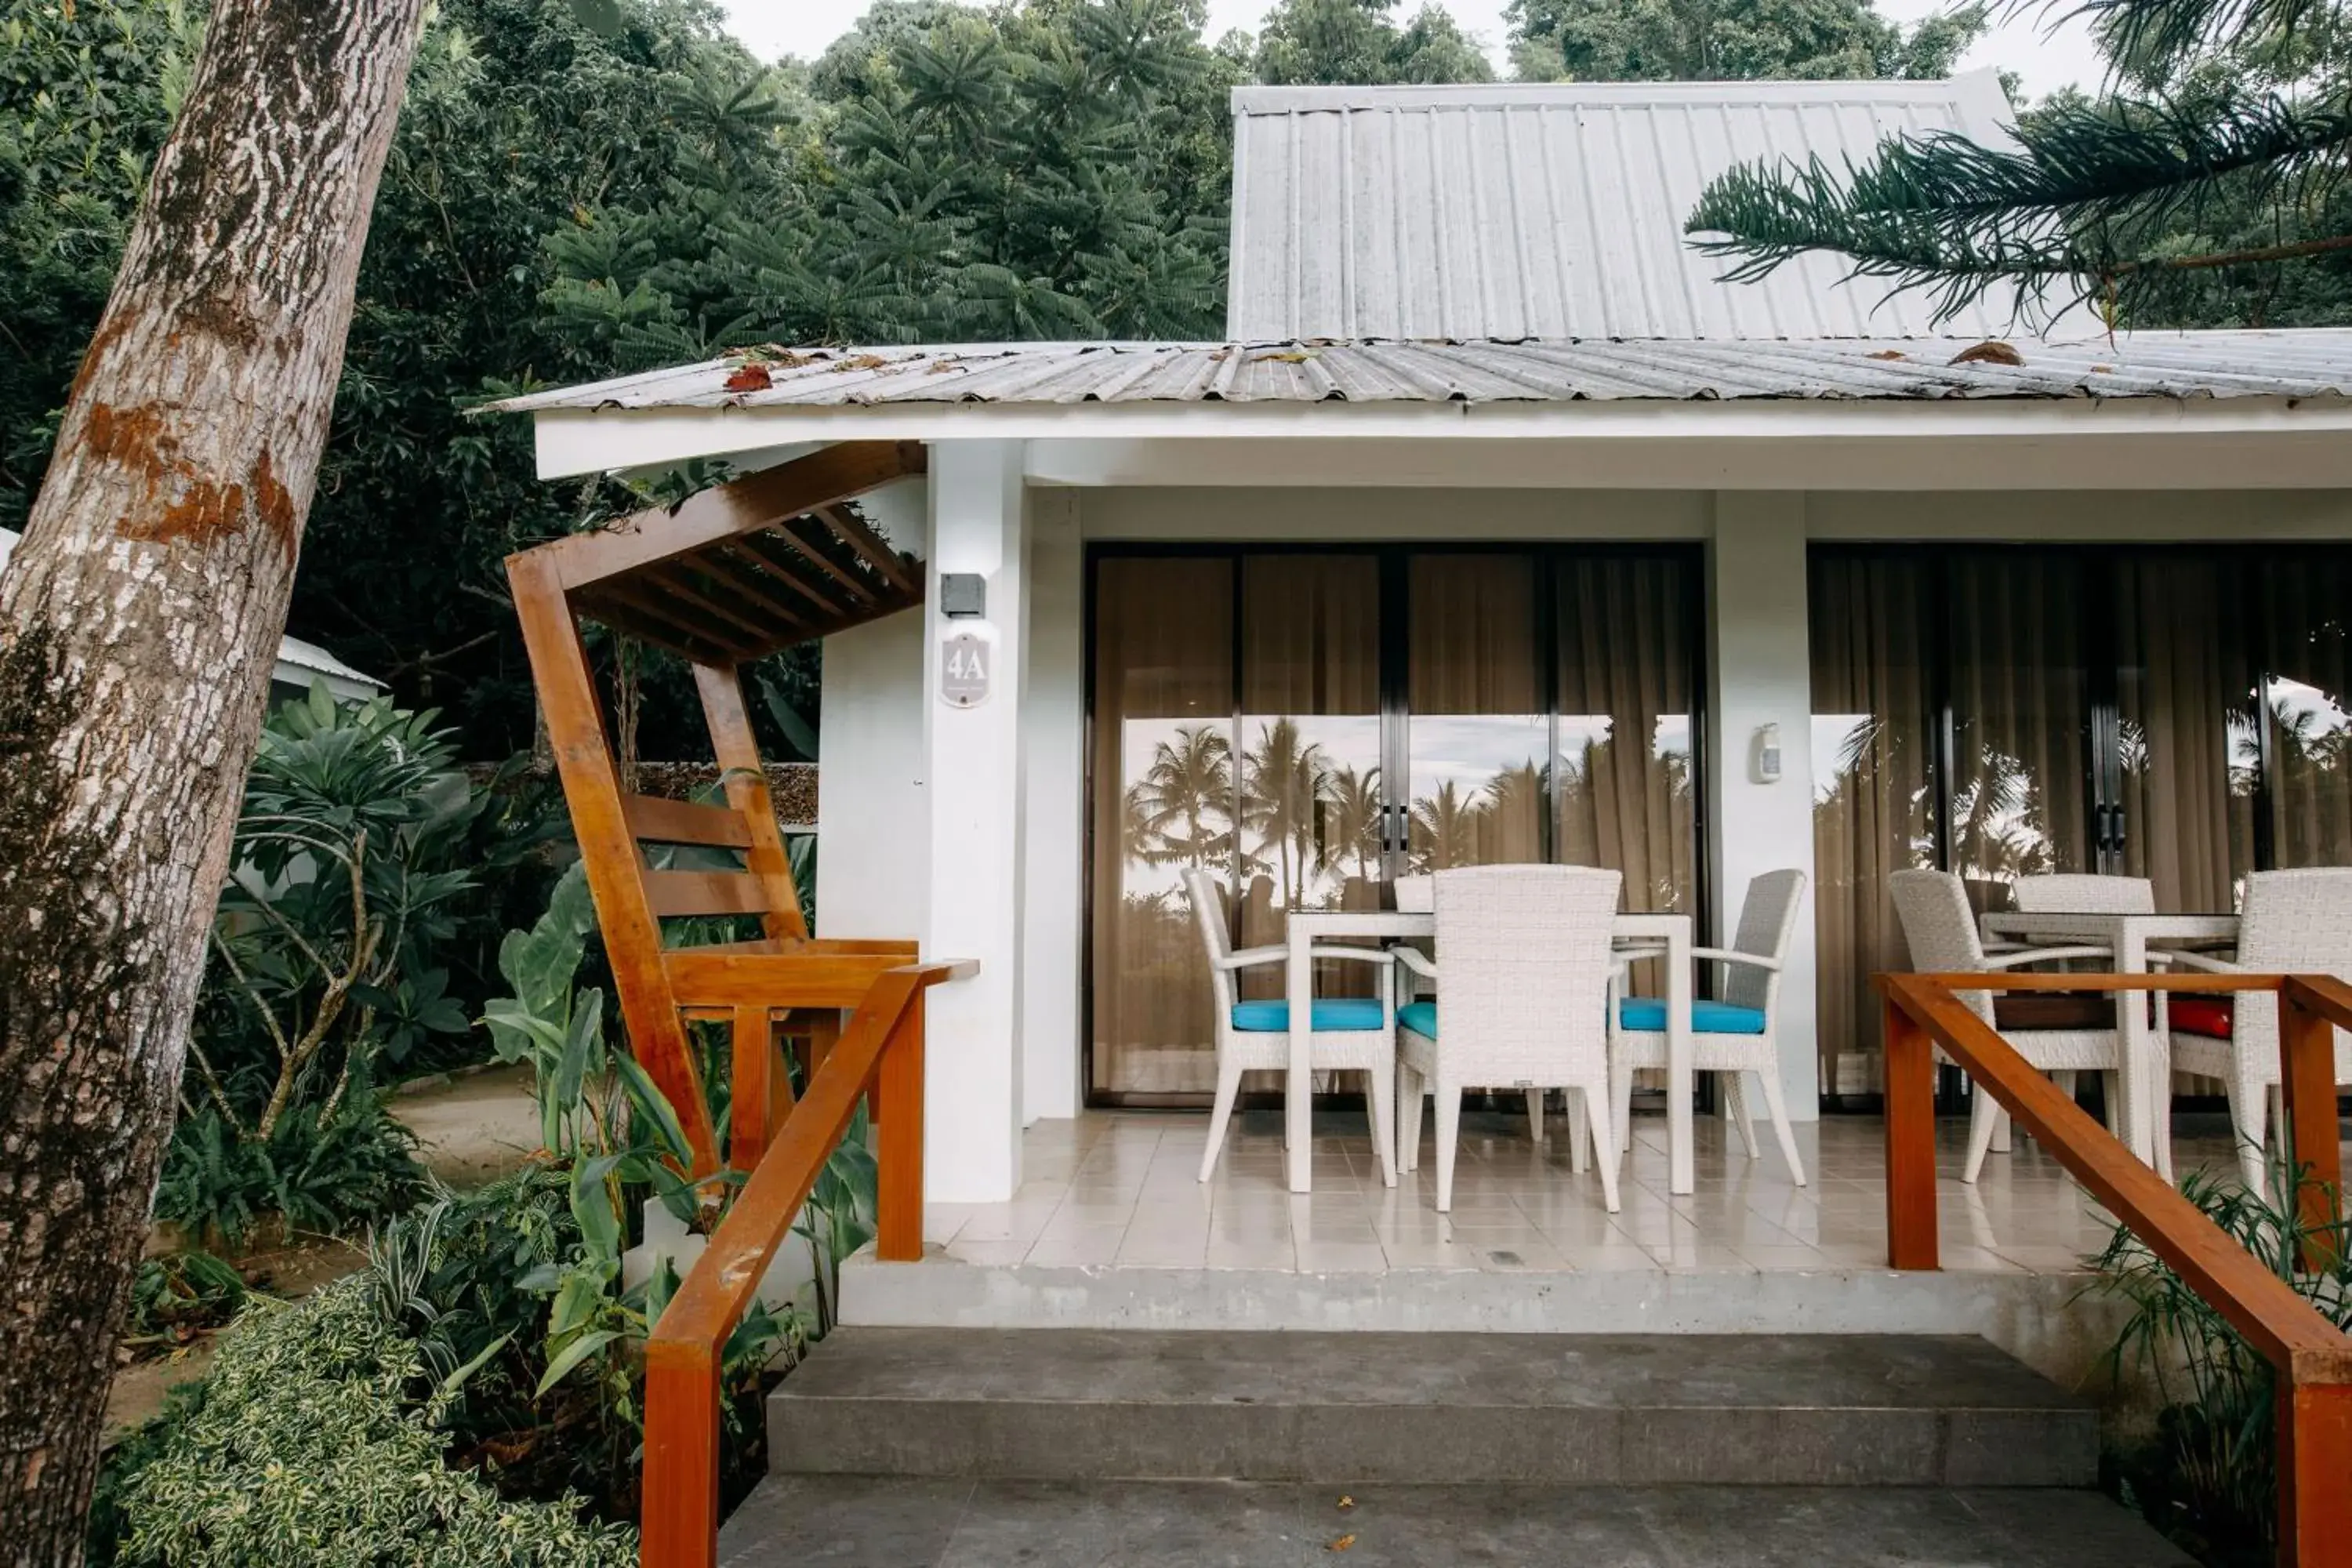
[1251, 957]
[1414, 959]
[1732, 955]
[2044, 955]
[1634, 954]
[1364, 954]
[2199, 961]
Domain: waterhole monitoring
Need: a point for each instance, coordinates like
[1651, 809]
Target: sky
[2046, 59]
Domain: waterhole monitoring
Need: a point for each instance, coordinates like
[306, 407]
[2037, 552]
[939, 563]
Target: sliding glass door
[1307, 725]
[1996, 711]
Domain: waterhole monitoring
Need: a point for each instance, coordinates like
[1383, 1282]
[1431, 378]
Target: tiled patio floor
[1119, 1189]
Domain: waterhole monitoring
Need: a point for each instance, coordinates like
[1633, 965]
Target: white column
[1053, 720]
[1760, 674]
[972, 1104]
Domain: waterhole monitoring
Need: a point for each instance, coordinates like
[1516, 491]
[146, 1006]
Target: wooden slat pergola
[729, 575]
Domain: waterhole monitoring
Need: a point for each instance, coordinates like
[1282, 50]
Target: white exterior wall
[1053, 761]
[873, 861]
[1760, 674]
[974, 1104]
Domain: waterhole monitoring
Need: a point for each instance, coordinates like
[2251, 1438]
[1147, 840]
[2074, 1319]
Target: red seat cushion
[2207, 1016]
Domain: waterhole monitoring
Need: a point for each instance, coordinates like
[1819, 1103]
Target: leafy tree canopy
[1709, 41]
[1328, 42]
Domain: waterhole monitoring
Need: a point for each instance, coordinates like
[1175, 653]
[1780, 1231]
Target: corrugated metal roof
[1516, 211]
[2304, 364]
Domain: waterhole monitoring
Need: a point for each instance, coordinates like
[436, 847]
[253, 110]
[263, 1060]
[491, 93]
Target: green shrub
[330, 1172]
[179, 1293]
[2209, 1477]
[318, 1442]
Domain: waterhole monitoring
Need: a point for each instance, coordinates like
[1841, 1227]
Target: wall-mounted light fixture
[1767, 754]
[963, 595]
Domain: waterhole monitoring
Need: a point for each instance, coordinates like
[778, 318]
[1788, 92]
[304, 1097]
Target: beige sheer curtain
[2190, 753]
[1163, 800]
[1873, 745]
[1621, 782]
[1310, 746]
[1477, 733]
[2021, 720]
[2309, 661]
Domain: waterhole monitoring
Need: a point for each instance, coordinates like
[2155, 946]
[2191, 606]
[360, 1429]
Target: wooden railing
[2311, 1357]
[880, 1051]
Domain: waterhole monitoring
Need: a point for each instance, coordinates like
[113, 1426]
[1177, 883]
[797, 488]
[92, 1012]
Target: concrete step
[856, 1522]
[1442, 1409]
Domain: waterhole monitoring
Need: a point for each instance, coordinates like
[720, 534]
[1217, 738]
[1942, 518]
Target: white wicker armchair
[1347, 1034]
[1731, 1036]
[2293, 922]
[1941, 931]
[1523, 981]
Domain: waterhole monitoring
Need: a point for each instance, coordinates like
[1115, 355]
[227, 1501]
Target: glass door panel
[2188, 751]
[1163, 801]
[1310, 760]
[1874, 742]
[2018, 801]
[1478, 734]
[1622, 774]
[2308, 698]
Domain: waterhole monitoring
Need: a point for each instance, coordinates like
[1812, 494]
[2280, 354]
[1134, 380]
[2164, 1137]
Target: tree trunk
[138, 625]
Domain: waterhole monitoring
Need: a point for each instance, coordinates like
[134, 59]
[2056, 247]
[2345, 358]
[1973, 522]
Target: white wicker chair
[1941, 931]
[1348, 1033]
[2076, 893]
[1733, 1036]
[1523, 977]
[2293, 922]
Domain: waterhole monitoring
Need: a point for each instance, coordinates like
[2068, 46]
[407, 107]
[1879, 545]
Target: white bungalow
[1552, 548]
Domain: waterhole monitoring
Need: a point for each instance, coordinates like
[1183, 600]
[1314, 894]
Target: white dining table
[1308, 926]
[2127, 937]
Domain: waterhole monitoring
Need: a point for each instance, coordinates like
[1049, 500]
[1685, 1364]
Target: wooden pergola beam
[755, 502]
[868, 543]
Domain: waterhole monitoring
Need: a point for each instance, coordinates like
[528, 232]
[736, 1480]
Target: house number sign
[963, 670]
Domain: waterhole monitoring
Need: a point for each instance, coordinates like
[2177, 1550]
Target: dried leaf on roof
[1992, 351]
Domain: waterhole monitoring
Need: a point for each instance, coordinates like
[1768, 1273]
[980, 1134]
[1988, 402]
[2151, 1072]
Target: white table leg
[1298, 1089]
[1681, 1177]
[2138, 1044]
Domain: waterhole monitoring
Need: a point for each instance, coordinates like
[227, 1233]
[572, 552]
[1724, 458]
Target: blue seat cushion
[1647, 1014]
[1330, 1012]
[1421, 1017]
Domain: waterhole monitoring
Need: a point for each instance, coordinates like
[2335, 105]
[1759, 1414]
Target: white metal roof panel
[2311, 362]
[1553, 211]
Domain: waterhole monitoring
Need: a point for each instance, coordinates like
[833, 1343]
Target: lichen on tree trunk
[137, 624]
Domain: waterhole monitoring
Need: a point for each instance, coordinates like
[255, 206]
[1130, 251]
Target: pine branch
[2081, 208]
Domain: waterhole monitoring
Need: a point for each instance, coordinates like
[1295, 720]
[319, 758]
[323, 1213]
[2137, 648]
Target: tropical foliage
[2186, 195]
[1714, 40]
[364, 858]
[2209, 1476]
[317, 1439]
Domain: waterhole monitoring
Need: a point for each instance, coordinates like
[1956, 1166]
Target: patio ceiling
[750, 568]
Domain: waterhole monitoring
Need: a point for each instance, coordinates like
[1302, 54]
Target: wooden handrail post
[1910, 1088]
[2308, 1095]
[899, 1104]
[754, 1109]
[2315, 1468]
[679, 1513]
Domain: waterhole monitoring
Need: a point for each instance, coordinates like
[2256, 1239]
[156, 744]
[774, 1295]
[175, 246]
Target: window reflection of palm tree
[1352, 817]
[1446, 828]
[1180, 811]
[1284, 779]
